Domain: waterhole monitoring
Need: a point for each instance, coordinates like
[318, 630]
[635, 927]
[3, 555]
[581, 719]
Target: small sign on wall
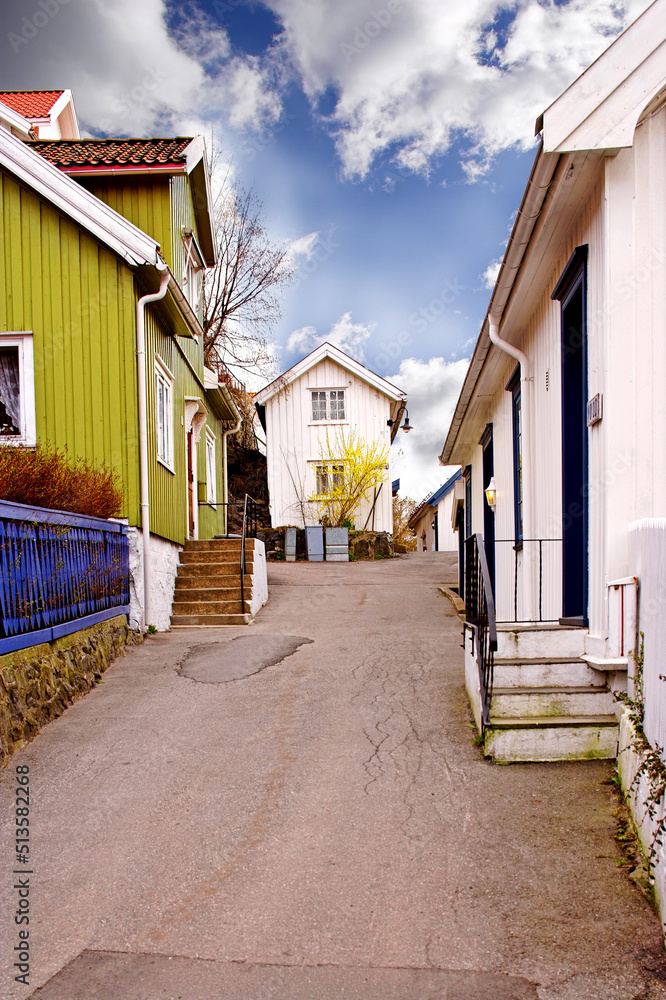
[594, 410]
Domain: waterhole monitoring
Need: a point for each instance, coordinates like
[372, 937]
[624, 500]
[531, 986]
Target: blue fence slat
[57, 570]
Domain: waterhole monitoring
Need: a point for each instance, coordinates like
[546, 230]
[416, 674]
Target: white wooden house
[326, 396]
[432, 521]
[562, 420]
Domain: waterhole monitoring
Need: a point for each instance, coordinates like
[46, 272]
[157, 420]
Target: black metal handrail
[480, 613]
[249, 531]
[518, 547]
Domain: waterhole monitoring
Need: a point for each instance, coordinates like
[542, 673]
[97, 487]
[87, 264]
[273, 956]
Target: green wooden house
[88, 229]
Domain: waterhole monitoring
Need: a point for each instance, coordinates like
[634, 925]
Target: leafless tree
[241, 293]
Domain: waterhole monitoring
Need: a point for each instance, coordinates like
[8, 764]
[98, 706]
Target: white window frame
[328, 419]
[211, 474]
[24, 341]
[192, 265]
[330, 468]
[164, 376]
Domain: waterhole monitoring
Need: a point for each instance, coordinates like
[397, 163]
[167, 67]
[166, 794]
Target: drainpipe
[143, 434]
[526, 417]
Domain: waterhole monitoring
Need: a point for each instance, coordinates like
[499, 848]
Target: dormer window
[328, 404]
[192, 265]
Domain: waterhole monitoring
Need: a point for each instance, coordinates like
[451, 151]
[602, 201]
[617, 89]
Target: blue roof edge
[443, 490]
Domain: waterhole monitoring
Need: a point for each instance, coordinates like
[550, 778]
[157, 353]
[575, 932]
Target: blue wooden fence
[59, 572]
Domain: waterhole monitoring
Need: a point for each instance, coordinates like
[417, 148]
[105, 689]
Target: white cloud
[349, 337]
[131, 76]
[413, 78]
[432, 389]
[304, 246]
[489, 276]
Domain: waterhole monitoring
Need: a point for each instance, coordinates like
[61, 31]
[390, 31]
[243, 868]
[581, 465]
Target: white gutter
[143, 435]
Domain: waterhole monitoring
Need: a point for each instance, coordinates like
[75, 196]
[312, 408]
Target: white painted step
[544, 739]
[517, 642]
[546, 672]
[551, 702]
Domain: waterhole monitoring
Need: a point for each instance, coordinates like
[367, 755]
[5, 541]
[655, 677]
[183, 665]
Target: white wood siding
[294, 442]
[447, 538]
[622, 219]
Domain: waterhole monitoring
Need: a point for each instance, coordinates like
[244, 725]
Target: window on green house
[17, 389]
[164, 415]
[211, 471]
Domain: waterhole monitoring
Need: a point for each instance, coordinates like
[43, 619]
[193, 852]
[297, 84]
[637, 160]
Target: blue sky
[389, 142]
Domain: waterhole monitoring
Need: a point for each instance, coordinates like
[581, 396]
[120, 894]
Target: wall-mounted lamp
[406, 426]
[491, 493]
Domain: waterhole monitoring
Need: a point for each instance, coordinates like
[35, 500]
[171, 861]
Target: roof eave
[197, 169]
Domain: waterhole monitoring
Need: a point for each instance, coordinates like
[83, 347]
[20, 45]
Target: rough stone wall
[37, 684]
[370, 545]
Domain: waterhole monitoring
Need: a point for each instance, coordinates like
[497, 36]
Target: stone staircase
[548, 703]
[208, 584]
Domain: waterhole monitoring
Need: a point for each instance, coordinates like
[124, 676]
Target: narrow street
[323, 828]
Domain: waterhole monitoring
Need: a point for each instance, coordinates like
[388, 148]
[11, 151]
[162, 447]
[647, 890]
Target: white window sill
[168, 467]
[328, 423]
[10, 441]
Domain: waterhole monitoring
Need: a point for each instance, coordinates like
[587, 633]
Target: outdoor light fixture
[406, 426]
[491, 493]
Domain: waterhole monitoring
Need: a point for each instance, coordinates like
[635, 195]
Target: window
[192, 265]
[211, 470]
[513, 386]
[164, 414]
[328, 404]
[329, 477]
[17, 389]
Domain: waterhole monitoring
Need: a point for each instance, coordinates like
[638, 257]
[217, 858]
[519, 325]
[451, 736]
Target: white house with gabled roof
[326, 396]
[560, 428]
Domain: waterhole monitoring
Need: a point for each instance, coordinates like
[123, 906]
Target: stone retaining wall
[37, 684]
[362, 544]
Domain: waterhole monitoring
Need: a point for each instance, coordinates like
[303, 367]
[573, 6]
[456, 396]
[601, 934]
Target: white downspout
[526, 417]
[143, 435]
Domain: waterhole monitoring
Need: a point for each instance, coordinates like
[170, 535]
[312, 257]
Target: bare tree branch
[241, 293]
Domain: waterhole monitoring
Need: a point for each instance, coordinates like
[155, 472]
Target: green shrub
[46, 477]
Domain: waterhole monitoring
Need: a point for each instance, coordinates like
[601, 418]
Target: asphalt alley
[297, 811]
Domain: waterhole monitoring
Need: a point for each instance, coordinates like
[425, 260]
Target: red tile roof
[30, 103]
[67, 153]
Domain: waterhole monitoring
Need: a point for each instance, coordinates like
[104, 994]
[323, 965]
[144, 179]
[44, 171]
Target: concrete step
[545, 672]
[211, 557]
[207, 594]
[209, 621]
[546, 738]
[194, 582]
[550, 702]
[230, 607]
[218, 545]
[192, 571]
[518, 642]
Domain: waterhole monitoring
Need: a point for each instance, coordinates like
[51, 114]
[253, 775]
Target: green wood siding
[169, 489]
[145, 201]
[78, 300]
